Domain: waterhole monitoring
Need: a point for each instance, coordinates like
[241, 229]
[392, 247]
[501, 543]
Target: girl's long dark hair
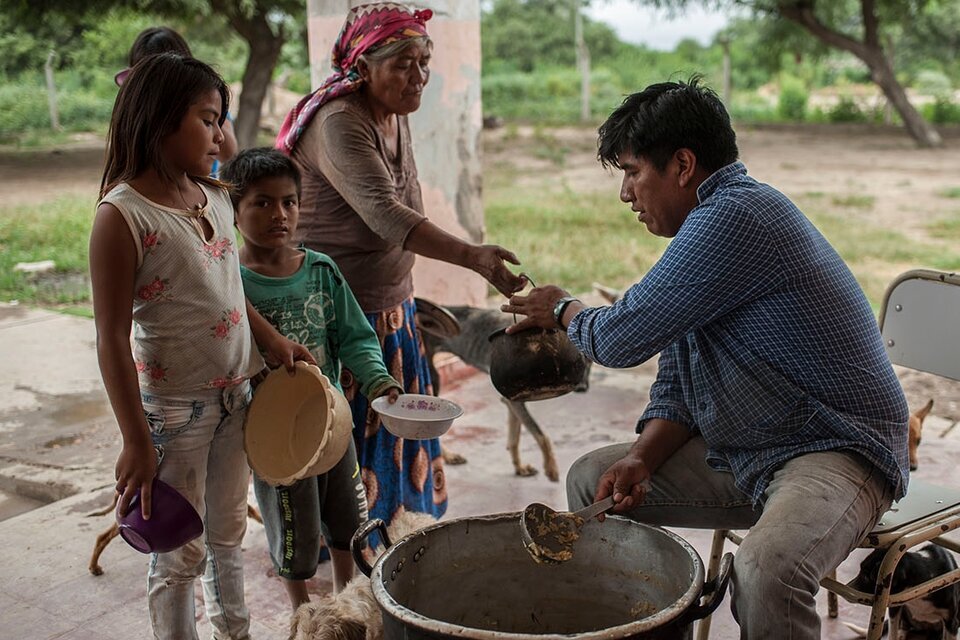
[150, 106]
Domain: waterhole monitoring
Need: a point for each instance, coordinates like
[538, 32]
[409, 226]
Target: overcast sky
[654, 28]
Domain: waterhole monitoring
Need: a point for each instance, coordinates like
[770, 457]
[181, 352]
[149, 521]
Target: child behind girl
[154, 40]
[303, 294]
[162, 256]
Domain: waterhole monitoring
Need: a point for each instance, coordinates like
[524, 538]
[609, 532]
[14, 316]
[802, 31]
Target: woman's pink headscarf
[367, 25]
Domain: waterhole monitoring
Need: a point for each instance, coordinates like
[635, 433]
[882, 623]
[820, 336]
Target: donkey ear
[436, 320]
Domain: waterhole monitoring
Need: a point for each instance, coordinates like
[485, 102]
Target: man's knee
[766, 567]
[582, 481]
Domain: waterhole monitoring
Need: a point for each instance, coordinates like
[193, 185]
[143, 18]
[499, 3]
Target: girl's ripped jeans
[199, 441]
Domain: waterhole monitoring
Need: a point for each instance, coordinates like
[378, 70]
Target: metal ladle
[549, 535]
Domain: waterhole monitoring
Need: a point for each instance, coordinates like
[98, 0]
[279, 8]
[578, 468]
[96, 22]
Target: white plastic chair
[920, 323]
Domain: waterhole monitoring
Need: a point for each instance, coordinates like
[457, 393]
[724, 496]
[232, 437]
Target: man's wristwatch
[560, 307]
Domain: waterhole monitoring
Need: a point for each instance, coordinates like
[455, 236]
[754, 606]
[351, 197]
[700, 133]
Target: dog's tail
[862, 631]
[924, 411]
[103, 512]
[609, 294]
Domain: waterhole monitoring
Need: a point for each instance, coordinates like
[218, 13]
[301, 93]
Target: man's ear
[686, 165]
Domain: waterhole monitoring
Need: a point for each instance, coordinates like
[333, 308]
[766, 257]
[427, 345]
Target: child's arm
[359, 346]
[113, 266]
[279, 348]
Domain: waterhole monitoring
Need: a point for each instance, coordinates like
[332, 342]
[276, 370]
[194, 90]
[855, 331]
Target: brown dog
[113, 530]
[916, 426]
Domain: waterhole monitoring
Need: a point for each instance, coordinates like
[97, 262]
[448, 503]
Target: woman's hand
[488, 260]
[136, 467]
[627, 480]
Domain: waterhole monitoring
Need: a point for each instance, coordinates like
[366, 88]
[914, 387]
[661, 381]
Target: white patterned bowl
[416, 416]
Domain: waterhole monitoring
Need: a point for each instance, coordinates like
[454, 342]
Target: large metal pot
[472, 578]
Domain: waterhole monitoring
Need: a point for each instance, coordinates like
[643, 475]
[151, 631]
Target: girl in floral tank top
[163, 259]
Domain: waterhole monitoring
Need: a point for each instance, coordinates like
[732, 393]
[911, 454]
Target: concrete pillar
[446, 131]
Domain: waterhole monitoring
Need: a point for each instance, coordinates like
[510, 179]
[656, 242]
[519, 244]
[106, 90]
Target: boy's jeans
[817, 508]
[200, 444]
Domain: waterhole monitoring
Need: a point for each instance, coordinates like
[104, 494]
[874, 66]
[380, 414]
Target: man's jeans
[817, 509]
[200, 443]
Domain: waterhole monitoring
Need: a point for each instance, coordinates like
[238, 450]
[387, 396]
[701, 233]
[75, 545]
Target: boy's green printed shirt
[316, 308]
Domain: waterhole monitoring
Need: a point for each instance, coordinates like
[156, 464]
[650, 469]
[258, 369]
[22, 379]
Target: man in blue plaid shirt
[775, 407]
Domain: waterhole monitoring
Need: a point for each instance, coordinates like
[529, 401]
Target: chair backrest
[920, 322]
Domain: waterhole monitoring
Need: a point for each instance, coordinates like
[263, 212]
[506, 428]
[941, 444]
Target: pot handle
[359, 542]
[713, 591]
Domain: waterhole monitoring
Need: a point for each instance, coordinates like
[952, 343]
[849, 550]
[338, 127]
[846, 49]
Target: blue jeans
[816, 510]
[200, 444]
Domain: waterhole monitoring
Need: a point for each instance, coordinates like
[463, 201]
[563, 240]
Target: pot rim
[408, 616]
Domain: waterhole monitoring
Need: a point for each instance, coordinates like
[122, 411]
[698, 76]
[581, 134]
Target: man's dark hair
[251, 165]
[664, 117]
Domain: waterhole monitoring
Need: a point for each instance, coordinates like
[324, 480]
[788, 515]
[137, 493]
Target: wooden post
[52, 91]
[583, 62]
[727, 76]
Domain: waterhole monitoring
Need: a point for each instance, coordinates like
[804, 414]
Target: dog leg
[451, 457]
[102, 541]
[513, 441]
[916, 428]
[253, 514]
[550, 468]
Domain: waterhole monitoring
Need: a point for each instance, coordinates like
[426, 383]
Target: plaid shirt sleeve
[666, 394]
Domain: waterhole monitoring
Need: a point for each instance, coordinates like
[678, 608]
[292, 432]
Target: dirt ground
[906, 183]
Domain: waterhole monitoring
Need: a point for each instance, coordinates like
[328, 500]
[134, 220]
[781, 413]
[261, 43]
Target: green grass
[574, 239]
[946, 227]
[952, 192]
[57, 230]
[564, 237]
[854, 201]
[570, 239]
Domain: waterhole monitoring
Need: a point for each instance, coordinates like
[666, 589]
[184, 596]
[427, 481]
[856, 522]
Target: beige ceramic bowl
[417, 417]
[297, 426]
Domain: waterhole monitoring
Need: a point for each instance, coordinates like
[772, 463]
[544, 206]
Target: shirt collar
[720, 177]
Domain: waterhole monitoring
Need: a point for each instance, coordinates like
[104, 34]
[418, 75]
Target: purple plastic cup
[173, 521]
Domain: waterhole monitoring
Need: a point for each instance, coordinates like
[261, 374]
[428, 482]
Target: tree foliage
[75, 30]
[523, 35]
[862, 28]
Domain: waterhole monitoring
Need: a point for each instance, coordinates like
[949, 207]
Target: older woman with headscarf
[361, 205]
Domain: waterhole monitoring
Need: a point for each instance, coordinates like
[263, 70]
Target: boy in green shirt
[302, 293]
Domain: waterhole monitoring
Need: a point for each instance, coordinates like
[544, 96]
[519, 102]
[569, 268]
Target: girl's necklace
[197, 215]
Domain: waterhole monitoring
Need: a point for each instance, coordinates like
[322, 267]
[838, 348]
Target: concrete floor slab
[47, 592]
